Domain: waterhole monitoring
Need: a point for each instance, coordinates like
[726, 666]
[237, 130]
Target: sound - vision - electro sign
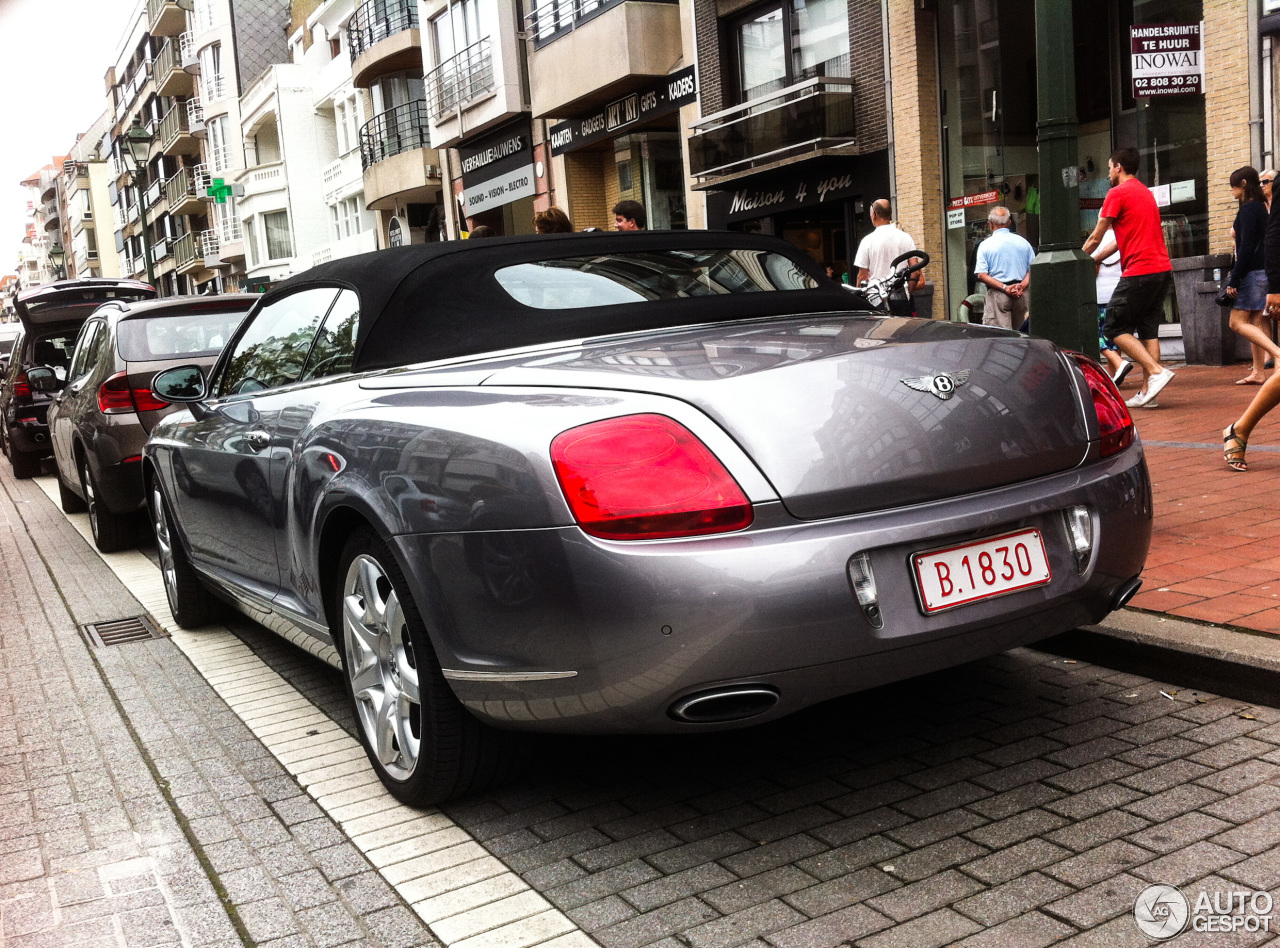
[498, 168]
[1167, 59]
[666, 95]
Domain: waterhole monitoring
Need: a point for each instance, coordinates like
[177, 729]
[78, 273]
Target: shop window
[781, 44]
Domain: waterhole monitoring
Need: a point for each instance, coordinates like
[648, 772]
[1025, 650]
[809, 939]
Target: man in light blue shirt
[1004, 265]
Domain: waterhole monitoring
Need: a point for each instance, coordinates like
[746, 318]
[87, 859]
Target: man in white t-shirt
[884, 244]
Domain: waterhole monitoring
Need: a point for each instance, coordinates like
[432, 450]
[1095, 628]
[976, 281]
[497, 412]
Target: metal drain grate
[120, 631]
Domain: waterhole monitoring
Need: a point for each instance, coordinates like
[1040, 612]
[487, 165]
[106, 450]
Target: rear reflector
[1115, 424]
[646, 477]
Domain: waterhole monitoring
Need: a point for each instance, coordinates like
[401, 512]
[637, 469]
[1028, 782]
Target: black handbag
[1224, 298]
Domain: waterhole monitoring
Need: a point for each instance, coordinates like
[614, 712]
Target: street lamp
[137, 149]
[56, 256]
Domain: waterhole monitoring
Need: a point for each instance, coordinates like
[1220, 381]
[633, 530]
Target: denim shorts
[1252, 293]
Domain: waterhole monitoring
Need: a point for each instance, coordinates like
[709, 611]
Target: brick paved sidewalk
[1215, 555]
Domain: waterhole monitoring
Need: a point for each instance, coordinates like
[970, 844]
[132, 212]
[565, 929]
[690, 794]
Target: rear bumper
[30, 437]
[642, 625]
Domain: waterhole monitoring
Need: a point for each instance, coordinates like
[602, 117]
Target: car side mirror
[41, 378]
[181, 384]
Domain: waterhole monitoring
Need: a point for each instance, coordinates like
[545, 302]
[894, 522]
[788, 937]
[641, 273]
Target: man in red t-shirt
[1137, 304]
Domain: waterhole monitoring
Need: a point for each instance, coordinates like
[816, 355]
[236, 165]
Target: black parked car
[51, 315]
[656, 482]
[104, 410]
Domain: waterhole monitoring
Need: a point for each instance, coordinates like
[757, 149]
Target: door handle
[257, 440]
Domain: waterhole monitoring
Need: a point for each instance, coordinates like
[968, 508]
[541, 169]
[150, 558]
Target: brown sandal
[1233, 448]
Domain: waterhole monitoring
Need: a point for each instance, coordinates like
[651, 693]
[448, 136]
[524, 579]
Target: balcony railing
[187, 55]
[166, 17]
[180, 190]
[814, 114]
[214, 87]
[201, 180]
[155, 191]
[176, 123]
[160, 249]
[185, 250]
[195, 115]
[230, 230]
[460, 79]
[378, 19]
[209, 245]
[551, 19]
[394, 132]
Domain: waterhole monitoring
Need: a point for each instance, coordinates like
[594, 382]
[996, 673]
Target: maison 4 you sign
[786, 196]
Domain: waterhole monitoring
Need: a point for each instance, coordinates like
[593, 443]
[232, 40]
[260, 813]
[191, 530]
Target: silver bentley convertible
[641, 482]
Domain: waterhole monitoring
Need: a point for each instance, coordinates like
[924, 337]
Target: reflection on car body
[690, 501]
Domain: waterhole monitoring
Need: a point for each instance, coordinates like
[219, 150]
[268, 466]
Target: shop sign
[666, 95]
[807, 191]
[499, 191]
[955, 219]
[973, 200]
[1167, 59]
[495, 154]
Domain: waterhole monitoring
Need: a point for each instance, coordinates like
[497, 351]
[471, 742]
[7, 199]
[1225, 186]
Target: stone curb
[1238, 663]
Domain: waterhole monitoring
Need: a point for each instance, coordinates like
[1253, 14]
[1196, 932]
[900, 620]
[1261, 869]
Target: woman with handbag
[1246, 289]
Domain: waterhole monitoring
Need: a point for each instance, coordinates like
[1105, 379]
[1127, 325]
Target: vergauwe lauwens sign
[666, 95]
[1167, 59]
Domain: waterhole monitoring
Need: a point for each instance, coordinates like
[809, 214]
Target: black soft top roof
[441, 300]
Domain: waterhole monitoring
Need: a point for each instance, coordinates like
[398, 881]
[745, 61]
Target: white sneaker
[1122, 372]
[1155, 384]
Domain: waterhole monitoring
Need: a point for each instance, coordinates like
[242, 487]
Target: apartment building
[613, 85]
[793, 138]
[477, 103]
[84, 201]
[402, 177]
[42, 256]
[341, 111]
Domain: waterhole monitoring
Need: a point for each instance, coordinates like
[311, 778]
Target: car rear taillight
[145, 400]
[1115, 424]
[646, 477]
[115, 396]
[21, 388]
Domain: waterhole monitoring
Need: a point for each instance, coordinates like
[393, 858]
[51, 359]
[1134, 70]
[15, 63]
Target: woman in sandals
[1235, 437]
[1247, 284]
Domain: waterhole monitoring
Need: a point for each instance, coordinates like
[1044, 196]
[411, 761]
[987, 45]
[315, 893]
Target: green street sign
[219, 190]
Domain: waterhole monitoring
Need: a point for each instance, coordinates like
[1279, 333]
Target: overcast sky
[53, 56]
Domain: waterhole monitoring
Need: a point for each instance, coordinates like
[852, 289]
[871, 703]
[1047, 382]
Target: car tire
[424, 752]
[112, 532]
[71, 501]
[190, 602]
[24, 465]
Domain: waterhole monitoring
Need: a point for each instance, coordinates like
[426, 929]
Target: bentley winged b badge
[944, 384]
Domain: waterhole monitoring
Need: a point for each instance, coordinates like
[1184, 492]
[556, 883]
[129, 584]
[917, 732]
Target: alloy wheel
[382, 667]
[164, 546]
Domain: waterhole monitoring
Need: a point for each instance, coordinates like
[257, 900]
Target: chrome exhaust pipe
[725, 704]
[1126, 592]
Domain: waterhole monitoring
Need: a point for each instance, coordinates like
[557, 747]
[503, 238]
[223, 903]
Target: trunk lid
[843, 414]
[72, 301]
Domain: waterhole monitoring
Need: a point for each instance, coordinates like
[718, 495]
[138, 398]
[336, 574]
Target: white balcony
[187, 52]
[263, 179]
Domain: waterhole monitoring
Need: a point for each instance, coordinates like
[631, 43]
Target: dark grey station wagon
[631, 483]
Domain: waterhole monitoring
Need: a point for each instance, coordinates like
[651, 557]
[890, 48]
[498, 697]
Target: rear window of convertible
[615, 279]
